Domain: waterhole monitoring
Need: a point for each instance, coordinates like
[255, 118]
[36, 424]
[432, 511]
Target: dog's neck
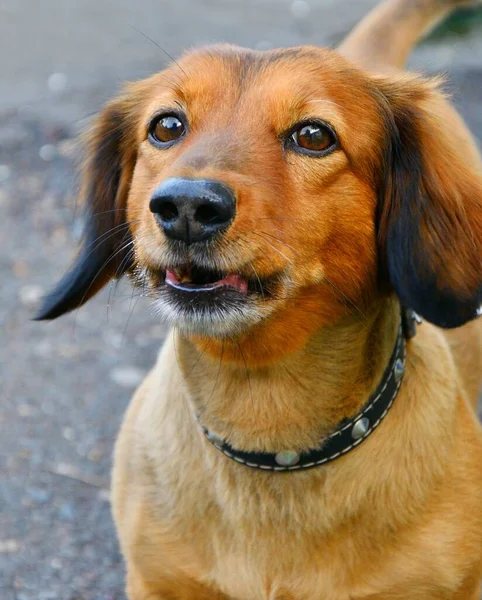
[294, 402]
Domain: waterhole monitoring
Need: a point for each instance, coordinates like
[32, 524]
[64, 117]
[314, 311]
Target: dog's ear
[105, 250]
[430, 204]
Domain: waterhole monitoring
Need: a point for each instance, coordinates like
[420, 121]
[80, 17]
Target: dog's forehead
[227, 73]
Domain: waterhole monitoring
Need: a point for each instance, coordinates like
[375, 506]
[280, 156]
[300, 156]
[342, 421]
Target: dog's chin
[223, 318]
[212, 304]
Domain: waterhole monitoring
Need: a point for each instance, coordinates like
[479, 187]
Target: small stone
[48, 152]
[127, 376]
[113, 338]
[9, 546]
[29, 295]
[5, 172]
[95, 455]
[300, 9]
[68, 433]
[57, 82]
[56, 564]
[67, 512]
[25, 410]
[39, 496]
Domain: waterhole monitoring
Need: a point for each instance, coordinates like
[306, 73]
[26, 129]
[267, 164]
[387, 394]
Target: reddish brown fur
[393, 214]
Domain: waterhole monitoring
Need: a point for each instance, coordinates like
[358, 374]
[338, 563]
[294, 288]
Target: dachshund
[293, 214]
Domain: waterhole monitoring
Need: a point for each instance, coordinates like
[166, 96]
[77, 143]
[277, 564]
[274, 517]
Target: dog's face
[275, 192]
[249, 172]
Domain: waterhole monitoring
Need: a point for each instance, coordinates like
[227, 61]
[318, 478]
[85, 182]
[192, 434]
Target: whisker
[131, 311]
[278, 240]
[106, 262]
[274, 248]
[259, 280]
[344, 296]
[114, 284]
[105, 236]
[111, 210]
[160, 48]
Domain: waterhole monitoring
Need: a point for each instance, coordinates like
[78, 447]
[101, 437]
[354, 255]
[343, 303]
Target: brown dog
[281, 207]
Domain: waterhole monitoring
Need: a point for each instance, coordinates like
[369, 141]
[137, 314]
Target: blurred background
[64, 385]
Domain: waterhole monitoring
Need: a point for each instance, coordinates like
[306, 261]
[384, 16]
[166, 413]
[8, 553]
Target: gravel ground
[65, 385]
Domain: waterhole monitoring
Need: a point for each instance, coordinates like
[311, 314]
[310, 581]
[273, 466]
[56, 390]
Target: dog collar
[349, 434]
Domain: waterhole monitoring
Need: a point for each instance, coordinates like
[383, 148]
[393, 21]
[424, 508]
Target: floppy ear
[430, 205]
[105, 251]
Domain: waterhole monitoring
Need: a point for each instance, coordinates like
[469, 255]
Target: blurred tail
[387, 35]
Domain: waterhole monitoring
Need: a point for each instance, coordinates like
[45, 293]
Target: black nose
[192, 210]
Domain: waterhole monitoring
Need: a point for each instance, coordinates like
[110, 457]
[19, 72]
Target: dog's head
[273, 192]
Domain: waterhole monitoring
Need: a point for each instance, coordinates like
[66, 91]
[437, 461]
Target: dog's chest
[278, 546]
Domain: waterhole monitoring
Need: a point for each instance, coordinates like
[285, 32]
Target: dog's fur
[394, 215]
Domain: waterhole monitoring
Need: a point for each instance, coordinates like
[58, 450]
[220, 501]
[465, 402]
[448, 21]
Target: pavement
[64, 385]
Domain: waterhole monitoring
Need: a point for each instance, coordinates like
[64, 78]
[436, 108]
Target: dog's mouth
[212, 302]
[199, 283]
[208, 301]
[192, 279]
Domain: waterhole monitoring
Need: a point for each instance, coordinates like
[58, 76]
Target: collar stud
[399, 369]
[360, 428]
[287, 458]
[212, 437]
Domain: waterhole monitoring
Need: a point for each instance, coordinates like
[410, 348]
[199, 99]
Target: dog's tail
[387, 35]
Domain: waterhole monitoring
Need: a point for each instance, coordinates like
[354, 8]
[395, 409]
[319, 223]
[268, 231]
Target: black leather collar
[349, 433]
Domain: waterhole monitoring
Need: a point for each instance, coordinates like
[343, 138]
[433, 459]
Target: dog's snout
[193, 210]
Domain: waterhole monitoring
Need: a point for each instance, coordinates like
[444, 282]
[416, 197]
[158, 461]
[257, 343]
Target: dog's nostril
[168, 212]
[209, 215]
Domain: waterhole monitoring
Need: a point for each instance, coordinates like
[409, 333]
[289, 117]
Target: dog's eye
[313, 138]
[166, 129]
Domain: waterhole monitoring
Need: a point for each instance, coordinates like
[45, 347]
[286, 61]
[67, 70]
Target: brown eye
[314, 138]
[166, 130]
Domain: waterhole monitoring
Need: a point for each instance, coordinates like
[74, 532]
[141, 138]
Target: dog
[292, 213]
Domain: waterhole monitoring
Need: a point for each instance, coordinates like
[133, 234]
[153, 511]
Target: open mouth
[211, 302]
[198, 280]
[195, 280]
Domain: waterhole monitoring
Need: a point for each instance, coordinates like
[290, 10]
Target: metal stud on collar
[212, 437]
[360, 428]
[398, 370]
[287, 458]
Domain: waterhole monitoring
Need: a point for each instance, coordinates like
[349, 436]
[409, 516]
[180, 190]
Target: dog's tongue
[234, 281]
